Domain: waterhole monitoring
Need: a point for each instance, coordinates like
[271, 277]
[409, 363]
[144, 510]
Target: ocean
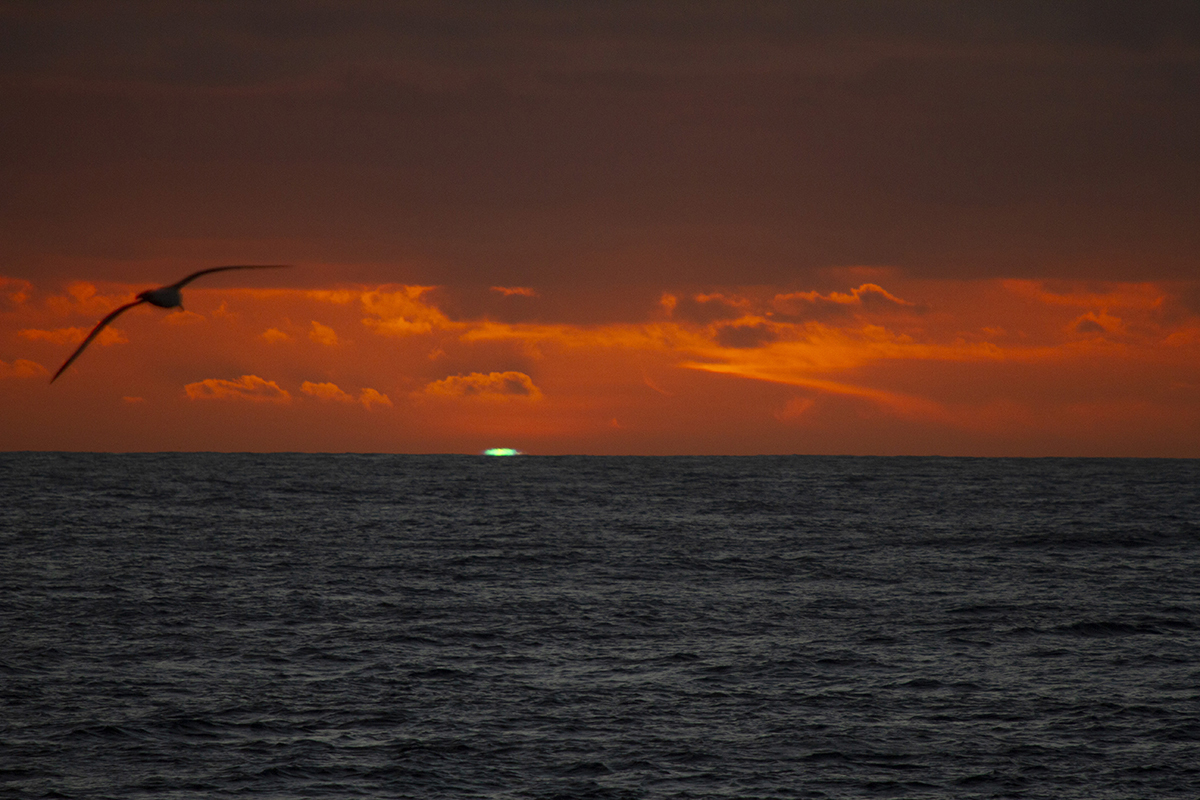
[379, 626]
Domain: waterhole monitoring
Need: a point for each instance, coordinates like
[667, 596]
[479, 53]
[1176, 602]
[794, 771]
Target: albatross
[163, 297]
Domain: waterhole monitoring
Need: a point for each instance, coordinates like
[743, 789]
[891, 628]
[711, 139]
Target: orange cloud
[868, 297]
[509, 291]
[326, 391]
[338, 297]
[107, 336]
[731, 372]
[493, 385]
[371, 397]
[274, 336]
[1097, 324]
[331, 391]
[248, 387]
[402, 312]
[705, 308]
[83, 298]
[22, 368]
[1125, 295]
[17, 291]
[323, 334]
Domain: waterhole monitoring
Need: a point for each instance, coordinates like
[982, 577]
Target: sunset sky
[957, 228]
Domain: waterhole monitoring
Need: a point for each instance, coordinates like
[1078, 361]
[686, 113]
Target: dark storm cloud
[714, 142]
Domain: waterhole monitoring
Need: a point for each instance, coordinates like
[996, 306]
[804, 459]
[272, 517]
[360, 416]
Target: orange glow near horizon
[884, 366]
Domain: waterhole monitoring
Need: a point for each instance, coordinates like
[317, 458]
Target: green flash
[501, 451]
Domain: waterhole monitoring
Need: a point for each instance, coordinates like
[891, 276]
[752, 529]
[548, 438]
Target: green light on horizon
[501, 451]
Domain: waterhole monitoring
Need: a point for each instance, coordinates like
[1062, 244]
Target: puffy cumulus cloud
[107, 336]
[520, 291]
[326, 391]
[22, 368]
[274, 336]
[248, 387]
[371, 397]
[493, 385]
[403, 312]
[868, 298]
[323, 334]
[331, 391]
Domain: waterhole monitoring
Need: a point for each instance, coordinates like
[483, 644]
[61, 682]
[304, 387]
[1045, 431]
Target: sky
[877, 228]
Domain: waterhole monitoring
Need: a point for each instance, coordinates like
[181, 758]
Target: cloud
[371, 397]
[868, 298]
[1097, 323]
[705, 308]
[83, 298]
[22, 368]
[493, 385]
[795, 408]
[402, 312]
[751, 334]
[107, 336]
[248, 387]
[1141, 296]
[323, 334]
[15, 290]
[509, 291]
[274, 336]
[331, 391]
[326, 391]
[335, 296]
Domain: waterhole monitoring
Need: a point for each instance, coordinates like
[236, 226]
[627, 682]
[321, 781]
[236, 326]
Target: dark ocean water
[336, 626]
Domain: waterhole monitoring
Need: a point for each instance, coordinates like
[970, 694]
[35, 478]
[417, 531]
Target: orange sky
[983, 367]
[847, 228]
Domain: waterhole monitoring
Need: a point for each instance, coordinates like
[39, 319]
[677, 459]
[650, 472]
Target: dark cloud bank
[540, 143]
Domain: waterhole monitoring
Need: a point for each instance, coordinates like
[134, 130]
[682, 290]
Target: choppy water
[202, 625]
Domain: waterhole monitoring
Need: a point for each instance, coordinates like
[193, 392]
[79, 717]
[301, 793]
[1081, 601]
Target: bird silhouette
[163, 297]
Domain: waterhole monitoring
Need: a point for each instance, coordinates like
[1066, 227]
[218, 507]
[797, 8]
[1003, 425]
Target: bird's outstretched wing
[194, 275]
[95, 332]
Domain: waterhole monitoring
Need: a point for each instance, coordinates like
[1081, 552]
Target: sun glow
[502, 451]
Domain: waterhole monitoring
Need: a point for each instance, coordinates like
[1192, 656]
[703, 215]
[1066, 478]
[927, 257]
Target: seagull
[163, 297]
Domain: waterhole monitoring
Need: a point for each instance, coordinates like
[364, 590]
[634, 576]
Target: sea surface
[377, 626]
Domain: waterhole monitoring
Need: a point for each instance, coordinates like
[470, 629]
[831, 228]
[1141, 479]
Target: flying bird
[163, 297]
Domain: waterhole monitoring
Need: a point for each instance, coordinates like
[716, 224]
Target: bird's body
[163, 297]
